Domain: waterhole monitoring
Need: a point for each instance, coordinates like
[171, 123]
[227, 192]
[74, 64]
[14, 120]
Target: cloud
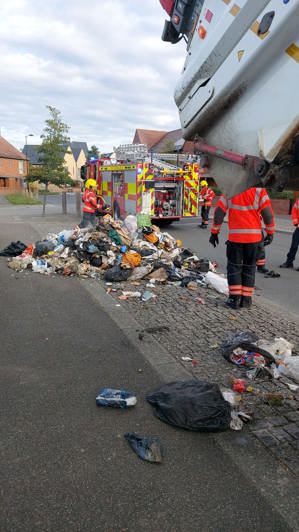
[102, 64]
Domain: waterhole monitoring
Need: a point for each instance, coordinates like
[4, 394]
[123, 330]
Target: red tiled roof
[156, 139]
[150, 137]
[7, 151]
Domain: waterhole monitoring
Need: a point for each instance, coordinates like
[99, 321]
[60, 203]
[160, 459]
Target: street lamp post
[26, 137]
[26, 155]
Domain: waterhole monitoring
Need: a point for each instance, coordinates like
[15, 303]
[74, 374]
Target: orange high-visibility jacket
[244, 215]
[90, 201]
[295, 212]
[206, 194]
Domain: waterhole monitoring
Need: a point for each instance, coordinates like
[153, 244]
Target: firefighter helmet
[203, 183]
[91, 183]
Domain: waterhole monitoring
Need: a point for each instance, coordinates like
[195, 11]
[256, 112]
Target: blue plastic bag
[148, 448]
[116, 398]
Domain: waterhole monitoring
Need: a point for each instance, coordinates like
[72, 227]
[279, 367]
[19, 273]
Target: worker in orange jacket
[244, 235]
[205, 198]
[295, 238]
[91, 204]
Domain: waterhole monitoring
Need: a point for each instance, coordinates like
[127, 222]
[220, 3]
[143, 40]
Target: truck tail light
[176, 19]
[202, 32]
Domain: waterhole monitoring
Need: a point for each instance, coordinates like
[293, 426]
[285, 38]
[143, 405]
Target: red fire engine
[134, 188]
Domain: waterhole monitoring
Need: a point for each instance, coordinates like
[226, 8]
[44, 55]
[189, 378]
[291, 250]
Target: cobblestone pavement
[188, 328]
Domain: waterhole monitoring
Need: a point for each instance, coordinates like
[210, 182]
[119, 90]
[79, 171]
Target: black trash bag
[192, 405]
[82, 256]
[203, 265]
[70, 244]
[146, 230]
[177, 261]
[186, 254]
[42, 247]
[13, 250]
[102, 246]
[117, 274]
[234, 340]
[148, 448]
[186, 280]
[246, 341]
[96, 261]
[145, 252]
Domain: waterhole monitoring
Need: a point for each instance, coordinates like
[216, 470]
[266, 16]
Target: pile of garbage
[119, 251]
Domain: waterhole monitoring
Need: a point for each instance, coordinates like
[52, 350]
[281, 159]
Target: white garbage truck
[237, 94]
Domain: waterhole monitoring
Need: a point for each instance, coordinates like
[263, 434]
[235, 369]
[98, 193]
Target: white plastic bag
[217, 282]
[290, 368]
[41, 266]
[280, 348]
[131, 224]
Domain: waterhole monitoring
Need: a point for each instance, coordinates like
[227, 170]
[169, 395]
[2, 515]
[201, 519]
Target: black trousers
[205, 214]
[261, 255]
[241, 264]
[294, 246]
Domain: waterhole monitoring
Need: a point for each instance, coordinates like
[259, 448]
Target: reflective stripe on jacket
[295, 212]
[101, 202]
[90, 201]
[206, 194]
[244, 215]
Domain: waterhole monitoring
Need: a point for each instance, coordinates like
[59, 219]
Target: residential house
[80, 152]
[13, 167]
[156, 141]
[32, 152]
[70, 163]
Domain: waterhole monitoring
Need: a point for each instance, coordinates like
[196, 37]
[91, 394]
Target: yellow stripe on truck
[293, 52]
[234, 10]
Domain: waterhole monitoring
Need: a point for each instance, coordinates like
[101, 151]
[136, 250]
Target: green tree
[168, 147]
[34, 174]
[53, 149]
[93, 152]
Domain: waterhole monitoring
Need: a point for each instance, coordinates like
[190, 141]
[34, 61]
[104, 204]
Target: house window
[21, 167]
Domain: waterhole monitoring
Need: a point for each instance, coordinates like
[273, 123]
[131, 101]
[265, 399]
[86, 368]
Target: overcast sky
[102, 63]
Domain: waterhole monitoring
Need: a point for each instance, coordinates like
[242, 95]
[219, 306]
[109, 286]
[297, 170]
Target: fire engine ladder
[162, 164]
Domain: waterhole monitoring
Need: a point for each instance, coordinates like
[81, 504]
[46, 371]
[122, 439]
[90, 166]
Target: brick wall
[12, 173]
[13, 167]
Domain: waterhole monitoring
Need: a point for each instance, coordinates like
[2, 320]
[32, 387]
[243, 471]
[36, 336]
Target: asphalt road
[283, 291]
[65, 465]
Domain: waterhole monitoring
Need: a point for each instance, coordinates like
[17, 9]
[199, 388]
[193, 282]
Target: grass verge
[21, 199]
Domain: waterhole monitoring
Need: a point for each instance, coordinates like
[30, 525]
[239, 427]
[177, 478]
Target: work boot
[233, 302]
[287, 265]
[246, 302]
[297, 269]
[262, 269]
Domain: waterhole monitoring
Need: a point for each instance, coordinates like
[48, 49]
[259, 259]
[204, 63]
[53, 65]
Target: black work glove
[268, 240]
[214, 240]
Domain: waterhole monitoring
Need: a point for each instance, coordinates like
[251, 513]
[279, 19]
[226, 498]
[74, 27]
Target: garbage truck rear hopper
[237, 93]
